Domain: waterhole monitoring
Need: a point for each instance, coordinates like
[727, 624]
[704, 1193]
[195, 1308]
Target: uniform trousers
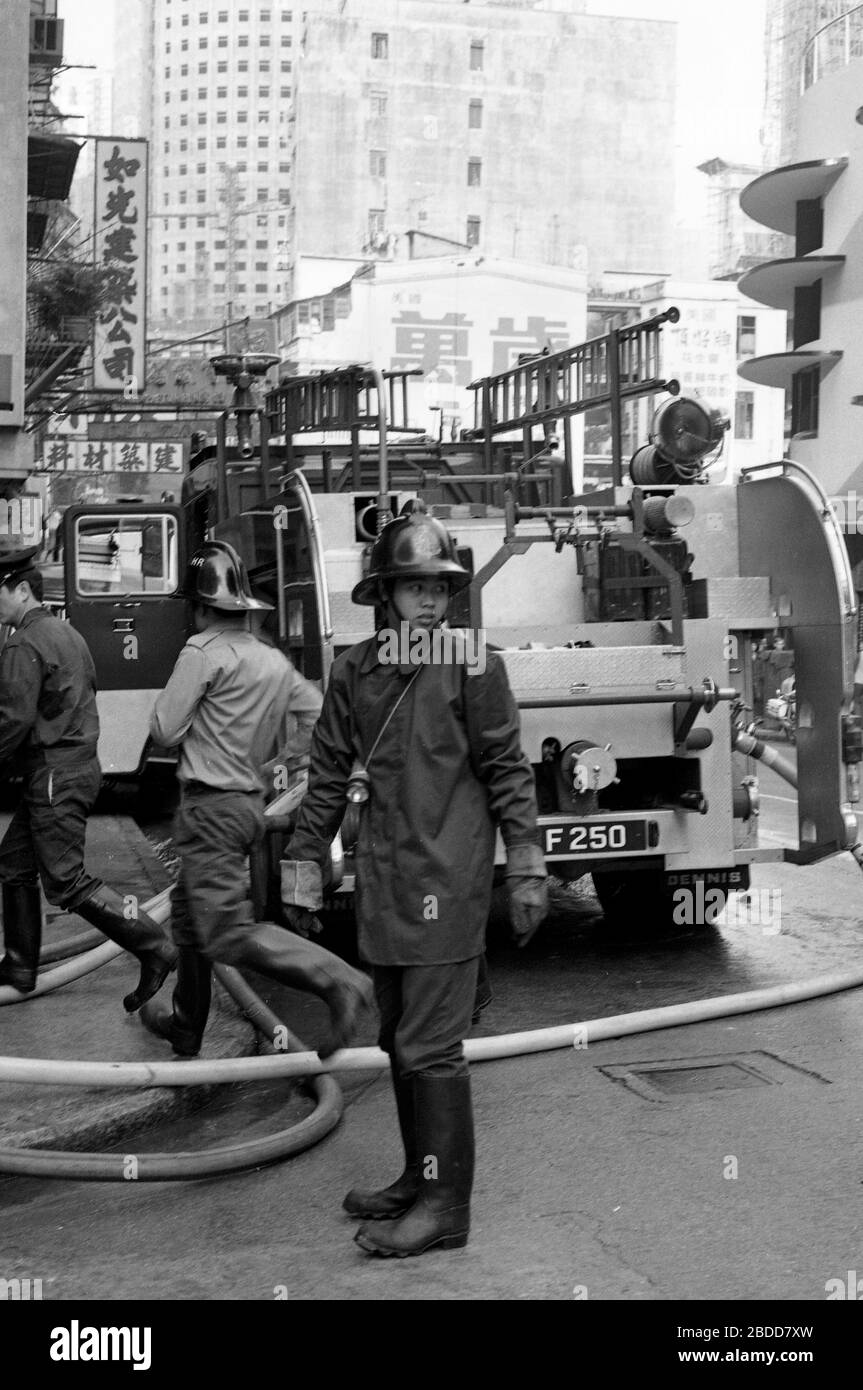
[425, 1013]
[46, 836]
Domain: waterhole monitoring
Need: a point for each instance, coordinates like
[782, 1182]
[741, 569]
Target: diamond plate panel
[747, 599]
[351, 622]
[534, 673]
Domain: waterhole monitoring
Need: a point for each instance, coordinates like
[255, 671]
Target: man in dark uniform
[49, 726]
[436, 747]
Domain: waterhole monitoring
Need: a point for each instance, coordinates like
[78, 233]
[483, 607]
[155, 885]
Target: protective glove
[302, 895]
[526, 881]
[303, 922]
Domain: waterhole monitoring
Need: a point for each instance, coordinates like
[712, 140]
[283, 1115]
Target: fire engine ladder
[350, 399]
[606, 371]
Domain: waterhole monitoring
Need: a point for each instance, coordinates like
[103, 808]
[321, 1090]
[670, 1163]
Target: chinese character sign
[121, 250]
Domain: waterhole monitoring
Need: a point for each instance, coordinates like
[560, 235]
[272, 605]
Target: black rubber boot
[183, 1025]
[440, 1217]
[22, 935]
[139, 935]
[304, 965]
[390, 1202]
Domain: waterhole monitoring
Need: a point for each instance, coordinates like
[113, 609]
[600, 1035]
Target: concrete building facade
[530, 130]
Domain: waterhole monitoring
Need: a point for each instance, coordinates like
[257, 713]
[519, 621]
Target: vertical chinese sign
[119, 347]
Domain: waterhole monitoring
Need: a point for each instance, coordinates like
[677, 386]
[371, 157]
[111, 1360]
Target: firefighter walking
[435, 750]
[224, 705]
[49, 728]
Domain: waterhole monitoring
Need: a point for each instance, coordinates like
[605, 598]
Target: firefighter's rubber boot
[139, 935]
[292, 960]
[390, 1202]
[22, 935]
[183, 1025]
[440, 1217]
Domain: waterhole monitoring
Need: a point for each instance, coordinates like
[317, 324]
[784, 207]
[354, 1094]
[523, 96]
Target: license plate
[567, 839]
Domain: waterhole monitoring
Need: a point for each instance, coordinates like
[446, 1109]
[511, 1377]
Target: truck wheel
[640, 902]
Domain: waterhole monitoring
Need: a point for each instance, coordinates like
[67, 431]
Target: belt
[193, 788]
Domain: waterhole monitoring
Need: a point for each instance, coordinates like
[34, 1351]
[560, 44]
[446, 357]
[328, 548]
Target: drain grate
[698, 1076]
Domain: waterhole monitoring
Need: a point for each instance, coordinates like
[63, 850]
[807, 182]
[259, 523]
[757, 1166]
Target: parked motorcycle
[782, 708]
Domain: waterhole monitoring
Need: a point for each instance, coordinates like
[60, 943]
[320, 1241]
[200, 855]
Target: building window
[182, 223]
[184, 95]
[287, 16]
[376, 222]
[807, 314]
[474, 173]
[378, 164]
[286, 66]
[379, 103]
[184, 46]
[202, 94]
[808, 226]
[242, 91]
[222, 92]
[261, 246]
[262, 195]
[222, 41]
[264, 16]
[202, 43]
[181, 246]
[263, 40]
[285, 198]
[202, 68]
[477, 54]
[201, 168]
[182, 197]
[746, 335]
[184, 120]
[182, 170]
[472, 237]
[804, 400]
[243, 65]
[263, 142]
[744, 415]
[242, 142]
[244, 16]
[263, 117]
[242, 117]
[221, 142]
[474, 115]
[219, 265]
[203, 17]
[222, 66]
[284, 92]
[380, 45]
[200, 221]
[223, 16]
[261, 289]
[185, 21]
[243, 41]
[202, 142]
[263, 92]
[221, 118]
[263, 166]
[263, 65]
[287, 42]
[181, 267]
[284, 167]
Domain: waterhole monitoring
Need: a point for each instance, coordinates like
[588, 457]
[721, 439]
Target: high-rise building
[222, 80]
[528, 129]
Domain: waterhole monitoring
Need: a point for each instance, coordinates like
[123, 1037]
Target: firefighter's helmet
[216, 577]
[411, 547]
[16, 559]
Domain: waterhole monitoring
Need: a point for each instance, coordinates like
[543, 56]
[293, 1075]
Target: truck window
[126, 555]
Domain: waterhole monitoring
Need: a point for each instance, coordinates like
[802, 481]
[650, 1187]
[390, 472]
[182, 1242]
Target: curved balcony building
[818, 199]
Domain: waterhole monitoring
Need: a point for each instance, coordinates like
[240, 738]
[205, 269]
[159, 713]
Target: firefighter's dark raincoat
[448, 769]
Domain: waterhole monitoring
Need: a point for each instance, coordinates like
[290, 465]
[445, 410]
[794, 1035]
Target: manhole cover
[696, 1076]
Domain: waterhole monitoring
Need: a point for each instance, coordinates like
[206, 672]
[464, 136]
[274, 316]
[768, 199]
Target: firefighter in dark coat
[50, 727]
[436, 747]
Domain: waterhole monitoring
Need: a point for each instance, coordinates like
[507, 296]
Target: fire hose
[298, 1063]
